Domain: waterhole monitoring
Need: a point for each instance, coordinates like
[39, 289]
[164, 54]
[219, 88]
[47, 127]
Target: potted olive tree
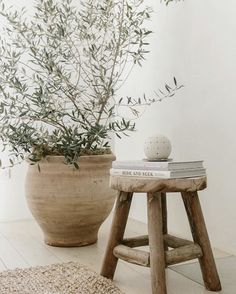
[59, 74]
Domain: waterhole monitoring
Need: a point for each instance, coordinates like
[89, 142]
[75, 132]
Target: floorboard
[22, 245]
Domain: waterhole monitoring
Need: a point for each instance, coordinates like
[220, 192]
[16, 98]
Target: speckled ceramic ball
[157, 147]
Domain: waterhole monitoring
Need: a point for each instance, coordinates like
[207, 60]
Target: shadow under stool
[158, 239]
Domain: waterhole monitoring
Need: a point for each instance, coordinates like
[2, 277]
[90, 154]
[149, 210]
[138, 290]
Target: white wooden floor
[21, 245]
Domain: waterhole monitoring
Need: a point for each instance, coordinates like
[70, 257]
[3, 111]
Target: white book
[169, 165]
[158, 174]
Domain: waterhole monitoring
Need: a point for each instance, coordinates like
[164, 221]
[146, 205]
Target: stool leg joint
[159, 241]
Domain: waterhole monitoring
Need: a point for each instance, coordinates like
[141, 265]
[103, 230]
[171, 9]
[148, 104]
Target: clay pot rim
[83, 158]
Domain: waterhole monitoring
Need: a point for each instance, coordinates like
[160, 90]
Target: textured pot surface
[69, 204]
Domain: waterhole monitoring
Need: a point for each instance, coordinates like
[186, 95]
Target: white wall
[12, 192]
[194, 41]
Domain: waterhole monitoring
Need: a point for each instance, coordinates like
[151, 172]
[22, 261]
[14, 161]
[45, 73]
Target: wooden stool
[158, 238]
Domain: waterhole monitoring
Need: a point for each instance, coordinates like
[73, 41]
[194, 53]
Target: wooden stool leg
[164, 216]
[121, 213]
[156, 244]
[200, 236]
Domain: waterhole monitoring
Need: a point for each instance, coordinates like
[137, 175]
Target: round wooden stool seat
[149, 185]
[158, 239]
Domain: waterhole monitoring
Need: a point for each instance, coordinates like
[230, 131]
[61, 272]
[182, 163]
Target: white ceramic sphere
[157, 147]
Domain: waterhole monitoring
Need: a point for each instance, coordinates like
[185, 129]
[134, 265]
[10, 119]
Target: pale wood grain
[156, 243]
[136, 241]
[131, 279]
[138, 184]
[183, 253]
[200, 236]
[10, 256]
[33, 252]
[169, 241]
[175, 242]
[131, 255]
[164, 217]
[2, 265]
[142, 258]
[121, 213]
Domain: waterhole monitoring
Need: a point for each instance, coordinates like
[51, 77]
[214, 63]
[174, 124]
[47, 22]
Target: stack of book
[158, 169]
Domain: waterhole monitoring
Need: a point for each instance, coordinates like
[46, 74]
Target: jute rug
[65, 278]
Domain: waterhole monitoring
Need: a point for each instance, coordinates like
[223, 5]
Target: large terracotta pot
[68, 204]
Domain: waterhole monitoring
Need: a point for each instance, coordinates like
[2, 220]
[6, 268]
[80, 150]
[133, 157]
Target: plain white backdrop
[195, 42]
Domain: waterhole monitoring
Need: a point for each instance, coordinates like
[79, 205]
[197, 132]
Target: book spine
[141, 167]
[161, 166]
[140, 173]
[184, 166]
